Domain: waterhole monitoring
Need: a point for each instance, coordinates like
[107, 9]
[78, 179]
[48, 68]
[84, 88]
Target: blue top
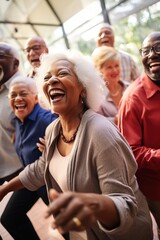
[29, 132]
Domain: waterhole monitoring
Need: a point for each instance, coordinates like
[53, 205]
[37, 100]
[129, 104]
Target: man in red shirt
[139, 122]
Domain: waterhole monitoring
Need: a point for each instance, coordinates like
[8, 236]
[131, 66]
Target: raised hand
[41, 145]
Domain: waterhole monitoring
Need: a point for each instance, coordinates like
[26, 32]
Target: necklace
[116, 93]
[68, 140]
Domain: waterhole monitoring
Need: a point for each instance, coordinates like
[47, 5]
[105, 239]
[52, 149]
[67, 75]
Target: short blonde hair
[103, 54]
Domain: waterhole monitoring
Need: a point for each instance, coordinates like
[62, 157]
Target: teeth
[104, 40]
[56, 91]
[20, 105]
[17, 106]
[155, 63]
[56, 94]
[35, 60]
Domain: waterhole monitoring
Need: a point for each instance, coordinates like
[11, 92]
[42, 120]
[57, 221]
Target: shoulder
[134, 89]
[53, 127]
[97, 125]
[126, 57]
[124, 54]
[133, 97]
[44, 113]
[42, 116]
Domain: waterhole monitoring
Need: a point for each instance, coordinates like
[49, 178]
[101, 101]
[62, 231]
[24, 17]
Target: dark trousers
[8, 178]
[14, 218]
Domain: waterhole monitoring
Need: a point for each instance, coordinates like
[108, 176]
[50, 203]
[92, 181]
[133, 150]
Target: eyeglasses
[35, 48]
[12, 96]
[146, 50]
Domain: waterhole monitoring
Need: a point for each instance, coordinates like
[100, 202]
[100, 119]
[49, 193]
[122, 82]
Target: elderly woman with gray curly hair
[88, 167]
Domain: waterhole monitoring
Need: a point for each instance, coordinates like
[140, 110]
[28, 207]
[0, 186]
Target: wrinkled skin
[105, 37]
[34, 48]
[69, 205]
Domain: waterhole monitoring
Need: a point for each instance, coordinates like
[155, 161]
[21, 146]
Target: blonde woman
[107, 62]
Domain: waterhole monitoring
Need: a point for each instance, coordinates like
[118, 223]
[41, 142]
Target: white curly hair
[85, 71]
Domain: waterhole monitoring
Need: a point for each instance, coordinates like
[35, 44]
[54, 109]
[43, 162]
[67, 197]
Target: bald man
[138, 121]
[34, 48]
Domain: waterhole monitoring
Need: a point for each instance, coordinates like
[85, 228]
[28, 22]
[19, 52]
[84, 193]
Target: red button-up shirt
[139, 122]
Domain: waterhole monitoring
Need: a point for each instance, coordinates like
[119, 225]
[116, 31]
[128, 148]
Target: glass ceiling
[20, 19]
[84, 23]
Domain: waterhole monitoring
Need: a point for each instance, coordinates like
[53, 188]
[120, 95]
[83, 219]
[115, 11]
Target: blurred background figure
[107, 62]
[129, 69]
[34, 48]
[9, 67]
[139, 122]
[30, 123]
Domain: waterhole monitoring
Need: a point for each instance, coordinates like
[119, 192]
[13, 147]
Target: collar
[6, 84]
[31, 74]
[33, 115]
[149, 87]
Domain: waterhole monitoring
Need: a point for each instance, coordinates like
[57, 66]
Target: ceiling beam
[61, 25]
[29, 23]
[104, 11]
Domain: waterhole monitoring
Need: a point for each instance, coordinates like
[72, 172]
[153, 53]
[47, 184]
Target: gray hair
[27, 81]
[105, 25]
[11, 50]
[85, 71]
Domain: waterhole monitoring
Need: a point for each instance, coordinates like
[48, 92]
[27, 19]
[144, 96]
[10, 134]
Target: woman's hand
[41, 145]
[78, 211]
[71, 211]
[13, 185]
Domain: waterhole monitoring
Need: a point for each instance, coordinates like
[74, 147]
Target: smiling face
[8, 63]
[151, 61]
[22, 100]
[34, 49]
[111, 71]
[105, 37]
[62, 88]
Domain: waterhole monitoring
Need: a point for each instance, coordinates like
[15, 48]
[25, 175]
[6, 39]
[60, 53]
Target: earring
[83, 99]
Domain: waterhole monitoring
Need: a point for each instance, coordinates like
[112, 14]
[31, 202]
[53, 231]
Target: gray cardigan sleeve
[32, 177]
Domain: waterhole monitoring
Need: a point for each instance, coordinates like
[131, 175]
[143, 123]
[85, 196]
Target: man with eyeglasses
[34, 48]
[139, 122]
[10, 164]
